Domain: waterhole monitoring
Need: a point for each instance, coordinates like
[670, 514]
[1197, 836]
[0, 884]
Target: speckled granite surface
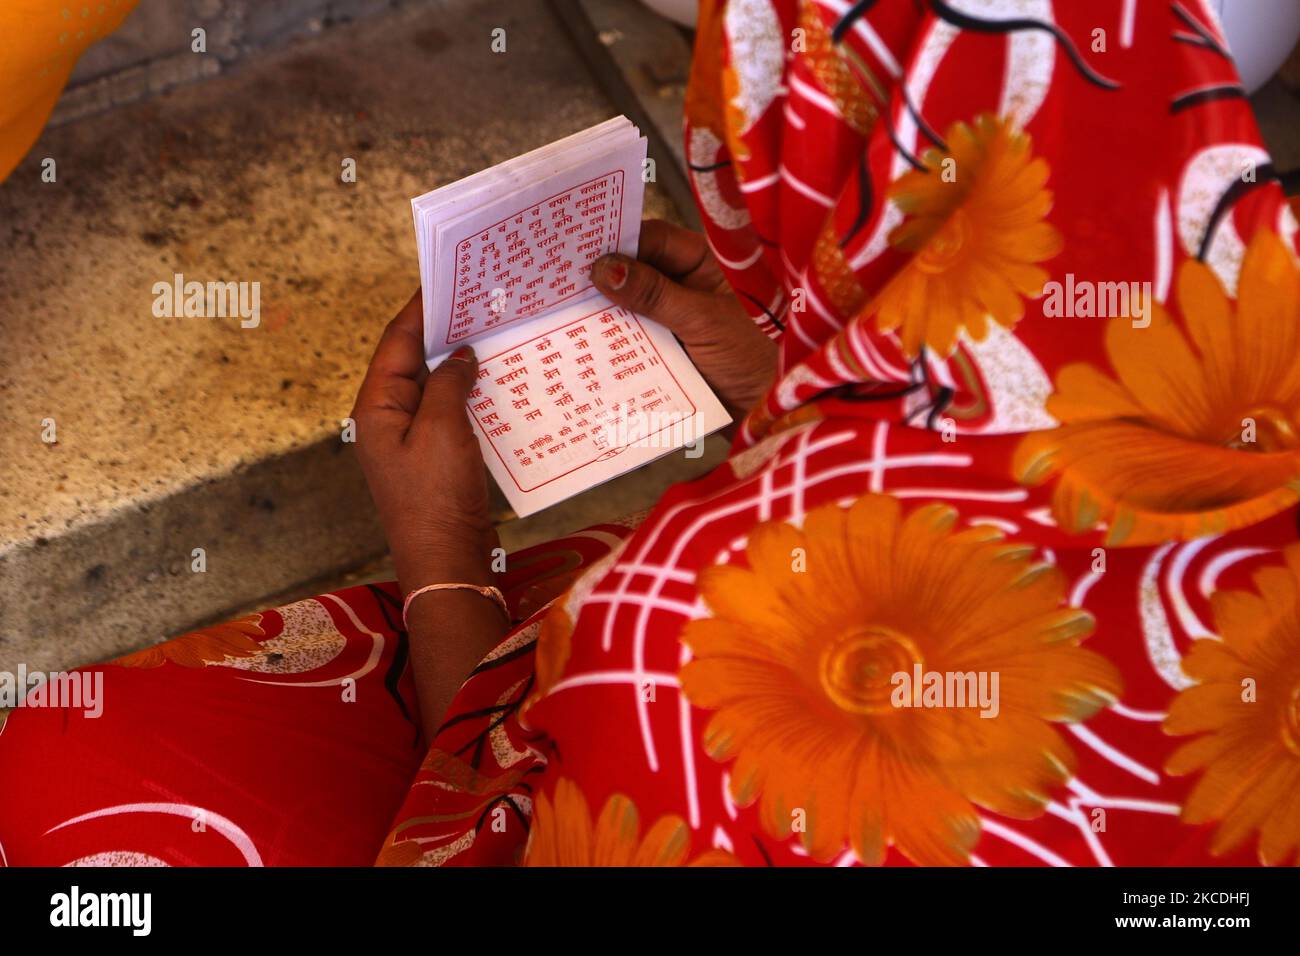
[175, 434]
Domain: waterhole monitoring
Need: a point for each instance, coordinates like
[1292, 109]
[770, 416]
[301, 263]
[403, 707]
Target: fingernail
[611, 271]
[463, 354]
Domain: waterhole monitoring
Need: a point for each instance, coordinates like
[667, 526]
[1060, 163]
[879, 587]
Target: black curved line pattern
[1209, 94]
[517, 653]
[695, 168]
[400, 654]
[1208, 39]
[503, 798]
[385, 597]
[767, 857]
[766, 311]
[852, 16]
[914, 413]
[837, 34]
[1192, 40]
[505, 710]
[1203, 44]
[866, 196]
[941, 402]
[845, 393]
[474, 715]
[926, 130]
[1263, 175]
[898, 145]
[967, 22]
[939, 398]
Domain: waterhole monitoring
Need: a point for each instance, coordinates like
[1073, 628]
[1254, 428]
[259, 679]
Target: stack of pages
[572, 390]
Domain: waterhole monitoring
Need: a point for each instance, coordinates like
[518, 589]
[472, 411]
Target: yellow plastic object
[40, 43]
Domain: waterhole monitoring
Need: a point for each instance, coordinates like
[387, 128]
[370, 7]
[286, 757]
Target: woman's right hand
[676, 281]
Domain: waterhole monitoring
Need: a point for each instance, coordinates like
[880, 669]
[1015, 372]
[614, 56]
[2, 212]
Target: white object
[1261, 35]
[572, 390]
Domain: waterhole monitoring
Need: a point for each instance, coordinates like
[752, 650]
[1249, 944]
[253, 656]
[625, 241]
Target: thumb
[645, 290]
[447, 389]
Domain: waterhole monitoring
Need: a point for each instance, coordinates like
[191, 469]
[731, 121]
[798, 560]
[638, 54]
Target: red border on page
[514, 348]
[456, 251]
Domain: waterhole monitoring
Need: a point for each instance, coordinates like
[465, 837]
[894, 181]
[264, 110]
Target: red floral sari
[1033, 456]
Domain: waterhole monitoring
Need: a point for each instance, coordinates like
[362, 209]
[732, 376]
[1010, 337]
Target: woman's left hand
[421, 460]
[425, 472]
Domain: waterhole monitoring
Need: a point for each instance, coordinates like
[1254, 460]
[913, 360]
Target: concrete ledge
[643, 61]
[127, 581]
[153, 50]
[182, 433]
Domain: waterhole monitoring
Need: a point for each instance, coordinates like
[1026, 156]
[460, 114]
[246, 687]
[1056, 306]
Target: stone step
[183, 434]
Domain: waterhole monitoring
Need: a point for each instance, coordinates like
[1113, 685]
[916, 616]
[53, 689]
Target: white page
[543, 161]
[581, 396]
[572, 390]
[450, 201]
[530, 251]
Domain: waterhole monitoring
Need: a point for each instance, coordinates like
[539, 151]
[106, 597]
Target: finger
[645, 290]
[397, 371]
[678, 253]
[446, 391]
[401, 347]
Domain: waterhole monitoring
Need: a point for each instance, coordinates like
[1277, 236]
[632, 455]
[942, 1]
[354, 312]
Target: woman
[1002, 569]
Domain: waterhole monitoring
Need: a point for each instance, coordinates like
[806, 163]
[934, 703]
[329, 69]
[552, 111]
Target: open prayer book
[572, 390]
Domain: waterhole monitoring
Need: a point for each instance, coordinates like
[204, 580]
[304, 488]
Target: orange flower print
[1246, 707]
[209, 645]
[798, 659]
[554, 640]
[563, 834]
[551, 652]
[976, 228]
[1198, 430]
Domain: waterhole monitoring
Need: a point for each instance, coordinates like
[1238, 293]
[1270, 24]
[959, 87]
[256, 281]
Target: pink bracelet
[492, 593]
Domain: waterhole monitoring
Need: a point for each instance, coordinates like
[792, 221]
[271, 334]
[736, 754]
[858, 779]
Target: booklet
[572, 390]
